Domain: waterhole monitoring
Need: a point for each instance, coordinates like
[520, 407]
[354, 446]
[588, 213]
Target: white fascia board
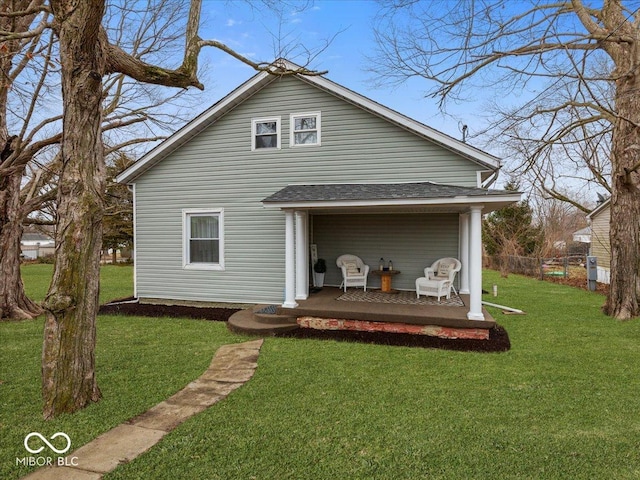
[387, 113]
[462, 200]
[191, 129]
[599, 208]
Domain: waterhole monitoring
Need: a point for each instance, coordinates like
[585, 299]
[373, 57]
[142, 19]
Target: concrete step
[246, 322]
[267, 314]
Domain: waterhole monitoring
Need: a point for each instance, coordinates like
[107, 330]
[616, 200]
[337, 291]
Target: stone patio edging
[231, 367]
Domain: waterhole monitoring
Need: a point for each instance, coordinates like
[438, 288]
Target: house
[34, 244]
[583, 235]
[600, 246]
[227, 208]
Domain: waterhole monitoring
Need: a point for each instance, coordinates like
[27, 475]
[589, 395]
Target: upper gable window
[265, 133]
[305, 129]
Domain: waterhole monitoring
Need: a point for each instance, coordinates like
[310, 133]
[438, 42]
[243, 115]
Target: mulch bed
[174, 311]
[498, 338]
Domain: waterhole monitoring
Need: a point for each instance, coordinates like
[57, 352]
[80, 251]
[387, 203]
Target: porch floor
[324, 304]
[323, 311]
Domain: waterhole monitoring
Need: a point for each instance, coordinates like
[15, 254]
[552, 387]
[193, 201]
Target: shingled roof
[347, 192]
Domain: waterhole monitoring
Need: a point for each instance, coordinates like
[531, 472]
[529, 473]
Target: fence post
[542, 269]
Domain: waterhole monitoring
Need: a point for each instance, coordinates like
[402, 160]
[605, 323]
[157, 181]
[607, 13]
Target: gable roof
[260, 81]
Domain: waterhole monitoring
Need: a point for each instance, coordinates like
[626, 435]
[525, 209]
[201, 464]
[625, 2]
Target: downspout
[492, 178]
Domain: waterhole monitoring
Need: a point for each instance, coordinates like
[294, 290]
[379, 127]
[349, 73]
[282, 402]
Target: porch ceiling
[422, 197]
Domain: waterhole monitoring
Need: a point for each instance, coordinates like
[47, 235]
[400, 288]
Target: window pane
[204, 226]
[265, 128]
[204, 251]
[305, 138]
[267, 141]
[305, 123]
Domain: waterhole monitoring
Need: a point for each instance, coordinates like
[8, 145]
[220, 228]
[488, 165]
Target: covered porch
[411, 201]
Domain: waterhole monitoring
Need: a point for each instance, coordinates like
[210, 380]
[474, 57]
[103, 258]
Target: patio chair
[438, 278]
[354, 271]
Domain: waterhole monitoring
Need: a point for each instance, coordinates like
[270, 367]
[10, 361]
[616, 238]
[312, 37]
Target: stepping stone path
[231, 367]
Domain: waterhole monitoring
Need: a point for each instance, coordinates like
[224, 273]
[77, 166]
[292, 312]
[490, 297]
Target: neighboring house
[227, 208]
[600, 246]
[583, 235]
[34, 245]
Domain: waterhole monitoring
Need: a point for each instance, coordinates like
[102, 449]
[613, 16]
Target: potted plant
[319, 269]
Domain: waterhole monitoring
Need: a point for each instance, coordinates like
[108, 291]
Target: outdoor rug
[403, 297]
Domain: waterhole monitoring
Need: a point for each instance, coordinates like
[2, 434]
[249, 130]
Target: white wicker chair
[354, 271]
[438, 278]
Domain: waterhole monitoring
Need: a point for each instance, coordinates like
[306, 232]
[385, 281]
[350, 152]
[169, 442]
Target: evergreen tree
[511, 230]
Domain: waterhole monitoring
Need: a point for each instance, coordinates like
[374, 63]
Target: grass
[116, 281]
[560, 404]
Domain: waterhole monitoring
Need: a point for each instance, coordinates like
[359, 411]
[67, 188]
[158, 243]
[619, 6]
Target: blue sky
[251, 32]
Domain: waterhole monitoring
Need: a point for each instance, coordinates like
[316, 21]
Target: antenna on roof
[463, 129]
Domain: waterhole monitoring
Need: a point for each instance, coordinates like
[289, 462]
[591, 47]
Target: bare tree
[18, 53]
[577, 67]
[31, 106]
[87, 56]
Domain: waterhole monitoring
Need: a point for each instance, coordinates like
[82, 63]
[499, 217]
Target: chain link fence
[538, 267]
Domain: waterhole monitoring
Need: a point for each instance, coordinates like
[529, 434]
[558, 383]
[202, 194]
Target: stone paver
[64, 473]
[119, 445]
[230, 368]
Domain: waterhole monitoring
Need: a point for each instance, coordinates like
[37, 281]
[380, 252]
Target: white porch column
[302, 256]
[289, 261]
[475, 264]
[464, 253]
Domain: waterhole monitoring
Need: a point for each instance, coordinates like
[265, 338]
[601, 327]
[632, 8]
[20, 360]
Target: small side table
[385, 279]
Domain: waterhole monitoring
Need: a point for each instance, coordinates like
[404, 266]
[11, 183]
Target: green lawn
[562, 403]
[116, 281]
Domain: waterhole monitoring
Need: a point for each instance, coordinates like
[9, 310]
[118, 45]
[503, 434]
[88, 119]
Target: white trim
[278, 121]
[464, 252]
[318, 129]
[132, 188]
[289, 260]
[262, 79]
[302, 255]
[186, 213]
[475, 264]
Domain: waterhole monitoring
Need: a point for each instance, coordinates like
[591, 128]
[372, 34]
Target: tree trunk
[14, 303]
[68, 359]
[624, 233]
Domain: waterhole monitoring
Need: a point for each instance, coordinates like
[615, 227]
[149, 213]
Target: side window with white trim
[203, 239]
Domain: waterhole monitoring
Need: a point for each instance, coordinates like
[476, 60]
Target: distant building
[600, 246]
[34, 245]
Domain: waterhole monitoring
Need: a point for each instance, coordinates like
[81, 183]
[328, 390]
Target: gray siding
[218, 169]
[411, 241]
